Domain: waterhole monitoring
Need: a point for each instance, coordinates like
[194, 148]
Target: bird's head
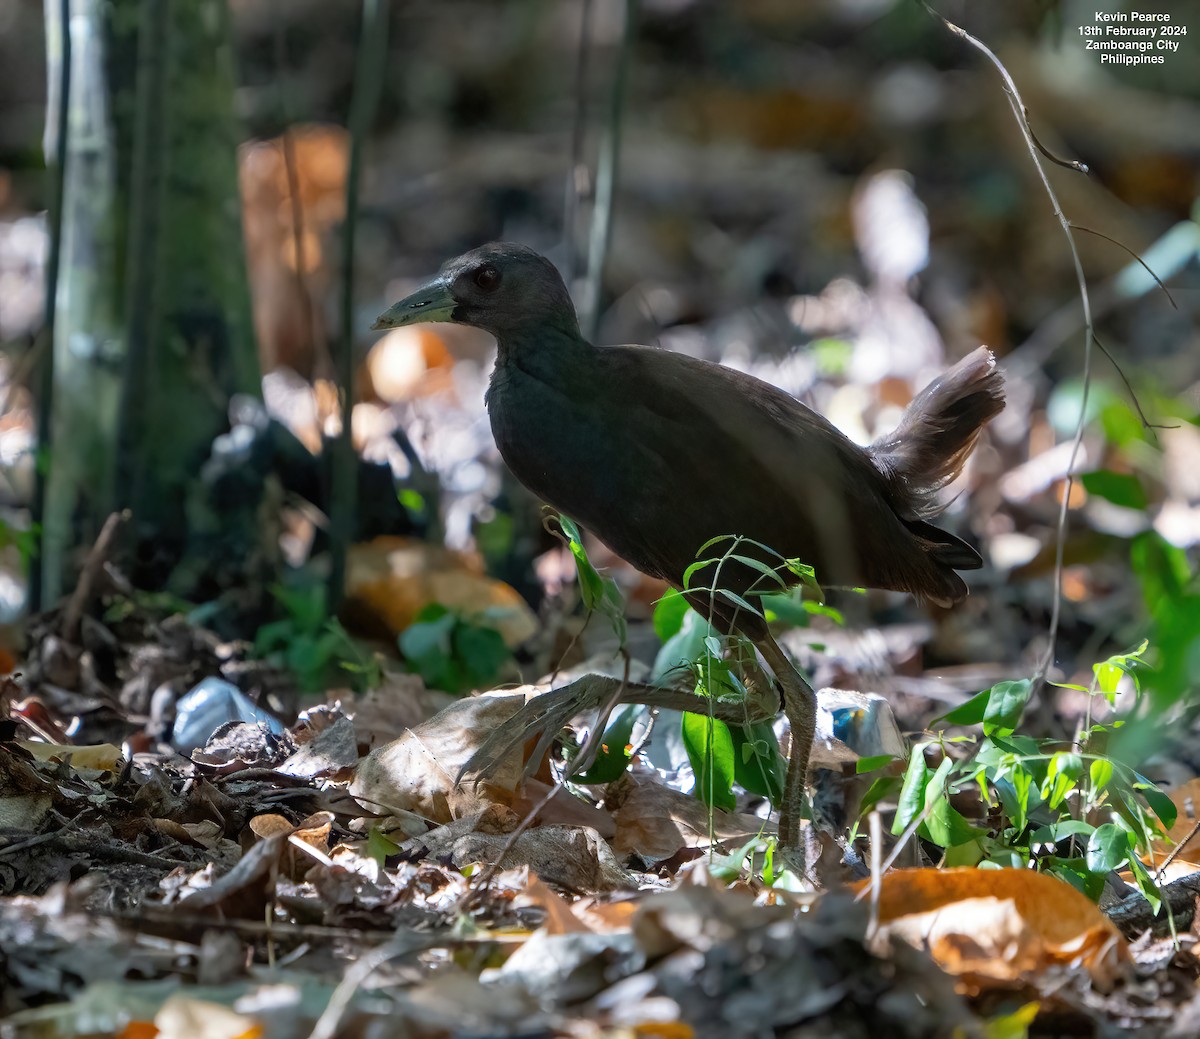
[506, 289]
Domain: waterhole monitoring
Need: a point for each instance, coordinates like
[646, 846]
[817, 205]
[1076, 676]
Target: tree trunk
[152, 333]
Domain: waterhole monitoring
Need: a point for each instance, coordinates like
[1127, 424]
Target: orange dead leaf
[1186, 799]
[390, 580]
[559, 918]
[996, 926]
[606, 917]
[663, 1030]
[409, 362]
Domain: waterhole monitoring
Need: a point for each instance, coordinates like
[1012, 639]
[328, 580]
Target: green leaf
[1006, 702]
[969, 713]
[451, 653]
[669, 612]
[684, 646]
[944, 825]
[1107, 849]
[380, 847]
[757, 564]
[1110, 672]
[1020, 785]
[872, 763]
[786, 607]
[728, 868]
[820, 609]
[1054, 832]
[739, 602]
[481, 652]
[709, 747]
[912, 792]
[612, 759]
[715, 541]
[758, 766]
[1062, 776]
[598, 593]
[1160, 804]
[1100, 772]
[1075, 872]
[967, 854]
[883, 787]
[1145, 883]
[1121, 489]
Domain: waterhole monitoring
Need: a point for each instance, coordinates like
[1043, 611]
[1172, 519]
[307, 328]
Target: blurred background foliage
[832, 195]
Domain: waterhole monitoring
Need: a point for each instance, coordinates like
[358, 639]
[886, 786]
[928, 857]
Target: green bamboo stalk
[368, 84]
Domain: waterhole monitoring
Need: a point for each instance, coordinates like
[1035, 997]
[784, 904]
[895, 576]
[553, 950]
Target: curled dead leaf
[1186, 831]
[417, 771]
[996, 926]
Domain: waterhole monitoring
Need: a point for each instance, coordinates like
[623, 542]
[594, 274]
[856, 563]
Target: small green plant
[24, 540]
[313, 645]
[721, 755]
[599, 594]
[454, 653]
[1071, 810]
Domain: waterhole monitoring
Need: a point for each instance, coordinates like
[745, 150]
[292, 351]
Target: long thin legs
[800, 706]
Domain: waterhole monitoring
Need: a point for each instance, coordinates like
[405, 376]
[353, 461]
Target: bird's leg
[800, 706]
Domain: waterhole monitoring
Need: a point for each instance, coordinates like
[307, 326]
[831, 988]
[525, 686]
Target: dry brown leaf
[574, 857]
[102, 757]
[559, 918]
[606, 917]
[1186, 799]
[655, 821]
[417, 771]
[182, 1017]
[995, 926]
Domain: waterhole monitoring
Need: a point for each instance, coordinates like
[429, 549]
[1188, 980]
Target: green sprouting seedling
[1072, 811]
[599, 594]
[786, 590]
[454, 653]
[312, 645]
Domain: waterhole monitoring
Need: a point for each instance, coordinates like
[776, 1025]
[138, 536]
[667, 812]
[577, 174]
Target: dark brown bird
[658, 454]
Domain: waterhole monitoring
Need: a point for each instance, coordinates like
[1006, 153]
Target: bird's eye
[487, 278]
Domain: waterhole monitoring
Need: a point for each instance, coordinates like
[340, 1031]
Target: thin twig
[1067, 164]
[875, 825]
[403, 944]
[368, 84]
[1018, 108]
[96, 558]
[1158, 874]
[291, 170]
[1145, 266]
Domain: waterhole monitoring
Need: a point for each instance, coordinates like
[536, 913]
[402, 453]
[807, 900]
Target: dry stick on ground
[1176, 850]
[96, 558]
[1134, 914]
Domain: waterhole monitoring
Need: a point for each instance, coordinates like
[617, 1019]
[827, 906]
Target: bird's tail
[937, 432]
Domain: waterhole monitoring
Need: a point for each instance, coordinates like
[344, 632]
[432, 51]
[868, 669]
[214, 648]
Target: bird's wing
[734, 455]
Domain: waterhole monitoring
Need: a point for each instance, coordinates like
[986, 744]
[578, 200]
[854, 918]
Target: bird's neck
[550, 354]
